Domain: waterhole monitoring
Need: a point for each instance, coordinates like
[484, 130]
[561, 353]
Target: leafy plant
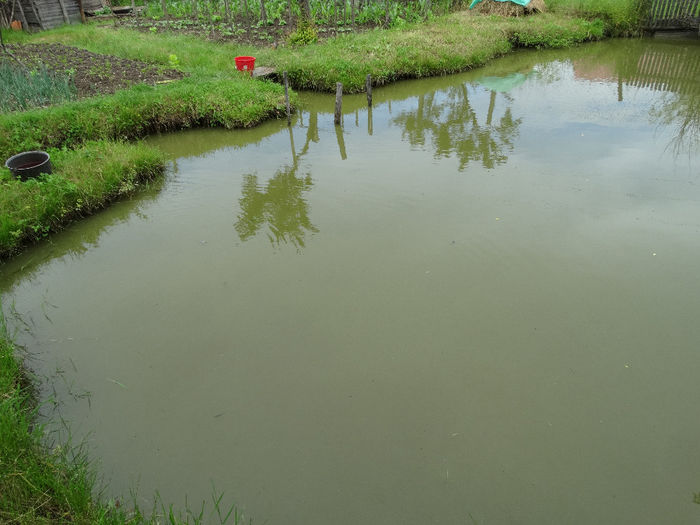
[304, 34]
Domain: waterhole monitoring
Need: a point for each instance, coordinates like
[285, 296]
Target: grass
[450, 44]
[622, 17]
[141, 110]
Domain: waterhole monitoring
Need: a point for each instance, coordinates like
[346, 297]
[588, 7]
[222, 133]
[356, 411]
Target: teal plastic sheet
[503, 84]
[519, 2]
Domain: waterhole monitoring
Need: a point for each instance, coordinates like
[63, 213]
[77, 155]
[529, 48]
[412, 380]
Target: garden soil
[94, 74]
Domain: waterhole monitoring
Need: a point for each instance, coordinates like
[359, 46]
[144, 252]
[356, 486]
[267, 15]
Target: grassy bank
[83, 180]
[136, 112]
[450, 44]
[213, 95]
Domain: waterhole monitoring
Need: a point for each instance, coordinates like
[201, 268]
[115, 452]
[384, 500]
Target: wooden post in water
[368, 87]
[338, 103]
[286, 98]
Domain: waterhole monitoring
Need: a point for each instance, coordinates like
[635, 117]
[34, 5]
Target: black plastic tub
[29, 164]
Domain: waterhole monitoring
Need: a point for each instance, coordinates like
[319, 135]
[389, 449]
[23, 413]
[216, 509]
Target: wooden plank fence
[674, 14]
[47, 14]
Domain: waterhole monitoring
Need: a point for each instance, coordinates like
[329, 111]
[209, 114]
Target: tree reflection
[452, 125]
[670, 67]
[281, 204]
[682, 111]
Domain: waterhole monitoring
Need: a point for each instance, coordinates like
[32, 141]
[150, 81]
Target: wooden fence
[674, 14]
[47, 14]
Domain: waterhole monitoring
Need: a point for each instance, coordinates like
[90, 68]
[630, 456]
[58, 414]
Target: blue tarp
[519, 2]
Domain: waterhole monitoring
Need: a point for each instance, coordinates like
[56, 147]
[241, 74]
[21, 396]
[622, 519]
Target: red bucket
[245, 64]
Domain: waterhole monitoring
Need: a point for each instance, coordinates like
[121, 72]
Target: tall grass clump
[21, 90]
[623, 17]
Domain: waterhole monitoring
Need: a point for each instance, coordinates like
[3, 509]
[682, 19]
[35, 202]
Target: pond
[475, 303]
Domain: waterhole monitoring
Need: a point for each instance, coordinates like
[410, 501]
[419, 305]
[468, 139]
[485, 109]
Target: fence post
[368, 86]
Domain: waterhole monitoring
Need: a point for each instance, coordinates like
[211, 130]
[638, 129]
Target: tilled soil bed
[93, 74]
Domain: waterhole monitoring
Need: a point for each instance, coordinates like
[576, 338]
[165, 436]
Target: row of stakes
[338, 98]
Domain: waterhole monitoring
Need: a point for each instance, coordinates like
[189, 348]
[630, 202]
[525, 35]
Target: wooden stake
[36, 15]
[63, 10]
[286, 98]
[25, 25]
[82, 11]
[368, 87]
[338, 103]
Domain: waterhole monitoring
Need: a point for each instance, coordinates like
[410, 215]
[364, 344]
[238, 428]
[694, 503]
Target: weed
[304, 34]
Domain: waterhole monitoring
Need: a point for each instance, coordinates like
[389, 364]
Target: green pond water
[477, 303]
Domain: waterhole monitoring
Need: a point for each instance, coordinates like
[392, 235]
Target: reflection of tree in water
[670, 67]
[452, 123]
[281, 204]
[682, 111]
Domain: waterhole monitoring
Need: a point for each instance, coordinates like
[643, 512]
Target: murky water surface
[476, 304]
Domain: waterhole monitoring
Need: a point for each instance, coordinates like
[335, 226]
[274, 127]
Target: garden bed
[240, 31]
[93, 73]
